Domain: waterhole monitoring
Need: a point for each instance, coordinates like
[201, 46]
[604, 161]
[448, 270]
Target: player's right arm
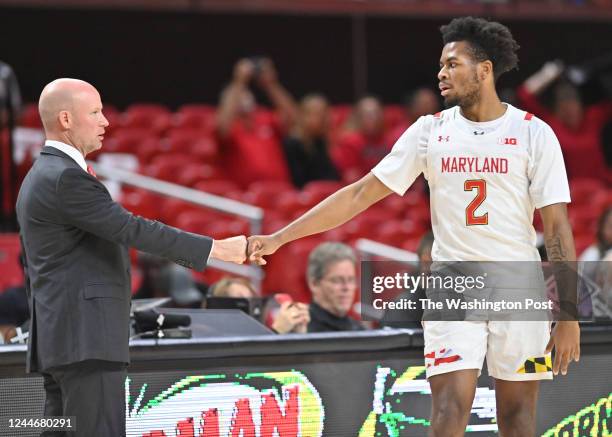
[334, 211]
[395, 173]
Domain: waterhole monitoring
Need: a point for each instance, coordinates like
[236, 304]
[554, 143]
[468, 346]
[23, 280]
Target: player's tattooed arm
[555, 249]
[565, 338]
[561, 253]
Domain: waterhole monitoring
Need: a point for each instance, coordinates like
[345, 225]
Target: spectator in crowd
[422, 101]
[291, 317]
[603, 244]
[307, 145]
[578, 128]
[250, 135]
[332, 279]
[233, 287]
[362, 144]
[412, 318]
[593, 287]
[14, 307]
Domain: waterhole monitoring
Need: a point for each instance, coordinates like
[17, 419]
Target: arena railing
[367, 250]
[205, 200]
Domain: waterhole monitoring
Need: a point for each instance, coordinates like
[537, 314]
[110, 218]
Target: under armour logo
[445, 139]
[476, 132]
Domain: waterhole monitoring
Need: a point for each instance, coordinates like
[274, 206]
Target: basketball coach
[75, 240]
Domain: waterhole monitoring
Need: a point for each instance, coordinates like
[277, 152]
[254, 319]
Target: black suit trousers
[93, 391]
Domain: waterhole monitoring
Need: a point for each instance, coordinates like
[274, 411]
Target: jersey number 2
[480, 185]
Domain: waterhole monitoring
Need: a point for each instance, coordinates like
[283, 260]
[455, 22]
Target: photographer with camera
[577, 126]
[252, 135]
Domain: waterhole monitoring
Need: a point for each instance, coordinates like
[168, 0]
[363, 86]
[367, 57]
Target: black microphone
[153, 321]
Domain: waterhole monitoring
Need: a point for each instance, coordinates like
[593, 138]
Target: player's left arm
[559, 241]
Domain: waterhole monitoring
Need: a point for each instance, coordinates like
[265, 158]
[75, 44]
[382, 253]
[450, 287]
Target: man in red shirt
[420, 102]
[250, 137]
[363, 144]
[577, 127]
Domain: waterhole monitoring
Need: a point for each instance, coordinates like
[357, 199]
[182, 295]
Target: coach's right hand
[261, 245]
[232, 249]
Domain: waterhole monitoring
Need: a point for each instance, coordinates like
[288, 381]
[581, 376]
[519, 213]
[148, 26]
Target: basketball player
[488, 165]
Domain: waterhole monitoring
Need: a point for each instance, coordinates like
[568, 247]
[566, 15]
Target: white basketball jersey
[485, 180]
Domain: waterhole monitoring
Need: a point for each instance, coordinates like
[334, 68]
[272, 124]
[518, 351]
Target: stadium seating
[153, 117]
[181, 147]
[12, 273]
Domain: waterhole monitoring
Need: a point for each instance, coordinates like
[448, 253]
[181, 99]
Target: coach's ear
[65, 119]
[485, 70]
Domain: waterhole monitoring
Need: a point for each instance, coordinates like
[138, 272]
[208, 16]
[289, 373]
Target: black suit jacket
[75, 239]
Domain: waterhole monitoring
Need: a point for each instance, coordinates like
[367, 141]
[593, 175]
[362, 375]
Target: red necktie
[91, 171]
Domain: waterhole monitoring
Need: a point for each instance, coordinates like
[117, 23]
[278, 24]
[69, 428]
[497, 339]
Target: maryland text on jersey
[460, 164]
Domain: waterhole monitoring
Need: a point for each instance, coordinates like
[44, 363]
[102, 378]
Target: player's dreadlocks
[489, 40]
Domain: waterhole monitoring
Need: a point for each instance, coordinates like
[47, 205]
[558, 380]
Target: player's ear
[485, 69]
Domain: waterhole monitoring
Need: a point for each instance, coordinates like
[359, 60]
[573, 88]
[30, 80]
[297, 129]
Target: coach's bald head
[71, 112]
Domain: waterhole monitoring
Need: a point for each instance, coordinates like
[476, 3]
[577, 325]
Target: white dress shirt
[70, 151]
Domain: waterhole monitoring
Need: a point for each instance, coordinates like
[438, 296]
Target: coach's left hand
[565, 339]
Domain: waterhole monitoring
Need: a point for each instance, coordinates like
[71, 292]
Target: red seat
[128, 140]
[219, 187]
[340, 234]
[147, 150]
[191, 174]
[172, 208]
[197, 108]
[182, 140]
[583, 190]
[396, 205]
[197, 143]
[198, 221]
[265, 193]
[201, 117]
[367, 224]
[167, 167]
[142, 203]
[290, 204]
[12, 272]
[226, 229]
[583, 220]
[394, 233]
[272, 225]
[319, 190]
[151, 116]
[206, 150]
